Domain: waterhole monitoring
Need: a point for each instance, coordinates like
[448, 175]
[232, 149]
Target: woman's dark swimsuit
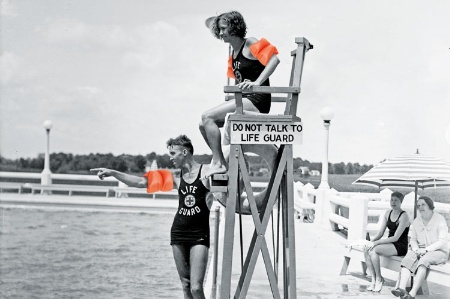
[401, 245]
[191, 222]
[244, 68]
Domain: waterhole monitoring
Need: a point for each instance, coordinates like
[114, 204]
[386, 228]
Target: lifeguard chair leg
[227, 259]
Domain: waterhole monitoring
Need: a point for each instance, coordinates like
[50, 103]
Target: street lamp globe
[327, 114]
[48, 125]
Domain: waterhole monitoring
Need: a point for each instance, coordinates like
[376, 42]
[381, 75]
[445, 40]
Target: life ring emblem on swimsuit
[238, 76]
[189, 201]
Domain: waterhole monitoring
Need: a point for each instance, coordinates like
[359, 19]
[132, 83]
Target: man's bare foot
[214, 169]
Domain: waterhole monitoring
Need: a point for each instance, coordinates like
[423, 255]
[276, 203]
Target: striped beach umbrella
[413, 171]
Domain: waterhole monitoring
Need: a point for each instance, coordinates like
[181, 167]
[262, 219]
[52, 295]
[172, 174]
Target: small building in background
[314, 173]
[304, 170]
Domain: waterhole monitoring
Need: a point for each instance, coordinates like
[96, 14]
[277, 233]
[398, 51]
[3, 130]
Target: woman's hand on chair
[369, 246]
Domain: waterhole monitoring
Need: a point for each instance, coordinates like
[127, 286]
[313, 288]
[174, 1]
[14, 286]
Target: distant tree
[339, 168]
[77, 163]
[23, 163]
[104, 160]
[315, 166]
[365, 168]
[164, 161]
[348, 168]
[119, 164]
[356, 168]
[297, 162]
[59, 160]
[10, 165]
[37, 163]
[139, 163]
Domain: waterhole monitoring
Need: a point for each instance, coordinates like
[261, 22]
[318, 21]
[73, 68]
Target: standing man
[189, 236]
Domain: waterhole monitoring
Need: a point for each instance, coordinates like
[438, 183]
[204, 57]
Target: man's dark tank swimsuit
[191, 222]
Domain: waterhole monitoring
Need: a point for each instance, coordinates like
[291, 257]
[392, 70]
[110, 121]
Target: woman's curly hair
[235, 21]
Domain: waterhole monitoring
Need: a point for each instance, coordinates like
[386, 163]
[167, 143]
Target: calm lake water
[86, 254]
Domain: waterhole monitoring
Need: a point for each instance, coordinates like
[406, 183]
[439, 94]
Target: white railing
[359, 213]
[356, 222]
[54, 176]
[305, 200]
[21, 182]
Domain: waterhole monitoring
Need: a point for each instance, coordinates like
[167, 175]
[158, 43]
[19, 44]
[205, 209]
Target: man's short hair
[183, 141]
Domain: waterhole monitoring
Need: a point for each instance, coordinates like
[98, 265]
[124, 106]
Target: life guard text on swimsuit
[189, 201]
[261, 133]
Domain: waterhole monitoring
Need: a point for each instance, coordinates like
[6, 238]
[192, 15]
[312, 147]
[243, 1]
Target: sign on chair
[266, 133]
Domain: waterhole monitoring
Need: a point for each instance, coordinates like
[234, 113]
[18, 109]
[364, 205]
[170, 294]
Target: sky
[122, 77]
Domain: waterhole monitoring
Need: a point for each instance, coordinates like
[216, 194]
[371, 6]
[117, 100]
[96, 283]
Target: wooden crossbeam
[264, 118]
[278, 99]
[262, 89]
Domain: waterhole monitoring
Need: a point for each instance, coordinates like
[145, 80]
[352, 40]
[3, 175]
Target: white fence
[358, 213]
[25, 182]
[55, 176]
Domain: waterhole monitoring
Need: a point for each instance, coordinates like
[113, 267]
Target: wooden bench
[438, 273]
[72, 188]
[123, 191]
[304, 209]
[11, 186]
[304, 201]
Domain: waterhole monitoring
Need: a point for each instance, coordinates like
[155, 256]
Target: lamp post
[46, 178]
[327, 115]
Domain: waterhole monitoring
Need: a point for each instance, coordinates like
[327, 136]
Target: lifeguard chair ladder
[281, 180]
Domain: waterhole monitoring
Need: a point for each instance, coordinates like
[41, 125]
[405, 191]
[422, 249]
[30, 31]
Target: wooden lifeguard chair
[283, 130]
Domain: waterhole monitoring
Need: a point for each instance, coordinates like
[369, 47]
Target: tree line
[334, 168]
[80, 164]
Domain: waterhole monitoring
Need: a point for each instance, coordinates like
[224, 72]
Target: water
[78, 254]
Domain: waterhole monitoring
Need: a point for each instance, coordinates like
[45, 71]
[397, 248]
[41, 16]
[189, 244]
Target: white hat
[209, 21]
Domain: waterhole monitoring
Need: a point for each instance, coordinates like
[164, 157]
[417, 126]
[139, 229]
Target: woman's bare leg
[385, 250]
[371, 270]
[212, 120]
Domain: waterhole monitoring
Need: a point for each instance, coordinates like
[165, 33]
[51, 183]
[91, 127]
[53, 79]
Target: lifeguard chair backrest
[292, 91]
[298, 57]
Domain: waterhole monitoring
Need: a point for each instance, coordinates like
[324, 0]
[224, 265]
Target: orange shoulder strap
[263, 51]
[154, 181]
[167, 180]
[230, 72]
[159, 180]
